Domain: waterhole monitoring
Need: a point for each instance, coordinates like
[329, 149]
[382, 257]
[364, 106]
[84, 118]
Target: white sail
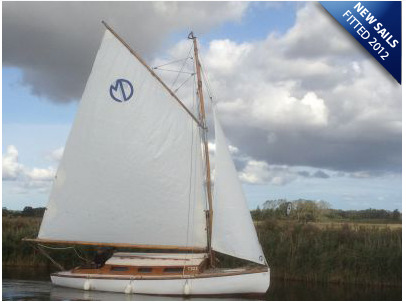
[233, 230]
[132, 166]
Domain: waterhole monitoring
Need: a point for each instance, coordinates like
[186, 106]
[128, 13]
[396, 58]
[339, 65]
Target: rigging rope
[173, 62]
[181, 71]
[171, 70]
[206, 81]
[64, 248]
[191, 75]
[183, 66]
[55, 248]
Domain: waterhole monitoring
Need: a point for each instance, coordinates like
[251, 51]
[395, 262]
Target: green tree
[28, 211]
[396, 215]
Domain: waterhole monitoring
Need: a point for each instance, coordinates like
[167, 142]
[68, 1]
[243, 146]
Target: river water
[34, 284]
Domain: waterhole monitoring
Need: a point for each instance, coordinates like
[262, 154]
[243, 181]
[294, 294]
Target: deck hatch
[119, 268]
[145, 269]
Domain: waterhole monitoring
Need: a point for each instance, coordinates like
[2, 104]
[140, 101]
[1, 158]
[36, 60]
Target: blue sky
[259, 19]
[37, 124]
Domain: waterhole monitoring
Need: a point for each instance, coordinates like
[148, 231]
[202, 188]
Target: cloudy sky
[308, 113]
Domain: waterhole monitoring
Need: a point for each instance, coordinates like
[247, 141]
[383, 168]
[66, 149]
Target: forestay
[132, 166]
[233, 230]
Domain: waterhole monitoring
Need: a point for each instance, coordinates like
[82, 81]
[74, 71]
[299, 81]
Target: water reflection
[60, 293]
[26, 290]
[304, 291]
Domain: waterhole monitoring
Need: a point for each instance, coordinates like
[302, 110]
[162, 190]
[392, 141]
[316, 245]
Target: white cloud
[31, 186]
[259, 172]
[312, 91]
[212, 147]
[312, 23]
[360, 174]
[11, 167]
[226, 55]
[231, 148]
[284, 109]
[38, 174]
[24, 179]
[252, 171]
[56, 155]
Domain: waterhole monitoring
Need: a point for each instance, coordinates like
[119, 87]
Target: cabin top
[156, 259]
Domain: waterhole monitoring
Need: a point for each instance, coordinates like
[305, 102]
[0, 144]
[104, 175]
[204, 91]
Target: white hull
[244, 283]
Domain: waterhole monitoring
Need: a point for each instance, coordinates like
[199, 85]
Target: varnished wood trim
[119, 245]
[134, 270]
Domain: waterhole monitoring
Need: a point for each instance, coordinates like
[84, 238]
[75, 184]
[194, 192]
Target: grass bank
[345, 253]
[326, 252]
[18, 253]
[14, 251]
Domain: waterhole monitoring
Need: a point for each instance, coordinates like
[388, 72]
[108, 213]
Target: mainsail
[132, 166]
[132, 169]
[233, 230]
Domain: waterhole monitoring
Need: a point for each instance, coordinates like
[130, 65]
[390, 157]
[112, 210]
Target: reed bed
[19, 253]
[341, 253]
[351, 253]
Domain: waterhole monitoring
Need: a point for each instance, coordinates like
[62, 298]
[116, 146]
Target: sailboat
[135, 176]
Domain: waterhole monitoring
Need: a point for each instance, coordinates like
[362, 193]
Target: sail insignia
[121, 90]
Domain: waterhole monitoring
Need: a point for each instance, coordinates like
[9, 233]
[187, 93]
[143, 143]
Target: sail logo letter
[121, 90]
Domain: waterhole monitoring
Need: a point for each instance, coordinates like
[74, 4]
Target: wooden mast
[202, 117]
